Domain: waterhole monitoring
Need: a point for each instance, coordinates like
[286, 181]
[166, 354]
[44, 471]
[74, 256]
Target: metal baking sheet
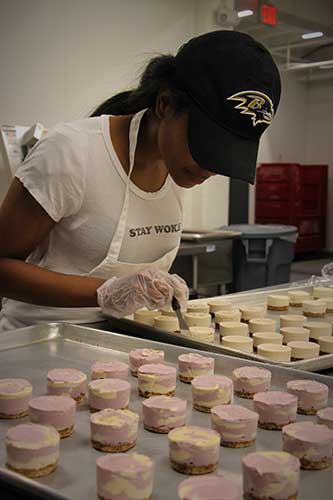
[31, 352]
[256, 297]
[204, 235]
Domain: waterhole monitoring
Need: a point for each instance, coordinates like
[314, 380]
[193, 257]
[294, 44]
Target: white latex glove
[150, 288]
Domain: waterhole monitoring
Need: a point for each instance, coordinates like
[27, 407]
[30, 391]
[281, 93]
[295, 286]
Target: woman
[93, 218]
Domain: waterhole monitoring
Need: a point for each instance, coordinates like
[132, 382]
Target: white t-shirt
[75, 175]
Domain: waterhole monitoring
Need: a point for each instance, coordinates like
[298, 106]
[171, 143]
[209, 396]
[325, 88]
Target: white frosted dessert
[197, 319]
[238, 342]
[275, 352]
[314, 308]
[200, 333]
[216, 305]
[326, 345]
[168, 323]
[266, 338]
[319, 329]
[192, 365]
[297, 320]
[278, 302]
[250, 312]
[329, 304]
[233, 328]
[320, 292]
[294, 333]
[303, 350]
[145, 316]
[168, 311]
[296, 297]
[230, 315]
[262, 325]
[200, 307]
[248, 380]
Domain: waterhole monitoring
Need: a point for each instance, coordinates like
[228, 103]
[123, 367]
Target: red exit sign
[268, 14]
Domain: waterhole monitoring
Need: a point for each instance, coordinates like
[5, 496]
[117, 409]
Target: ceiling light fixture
[245, 13]
[314, 34]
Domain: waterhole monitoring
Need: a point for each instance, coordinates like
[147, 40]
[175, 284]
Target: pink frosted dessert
[67, 382]
[191, 365]
[236, 425]
[275, 409]
[194, 450]
[127, 476]
[109, 393]
[272, 475]
[57, 411]
[32, 449]
[114, 430]
[15, 394]
[111, 369]
[325, 417]
[312, 395]
[157, 380]
[139, 357]
[211, 390]
[212, 487]
[248, 380]
[163, 413]
[311, 443]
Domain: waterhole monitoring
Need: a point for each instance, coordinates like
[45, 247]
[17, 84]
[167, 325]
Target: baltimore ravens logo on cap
[255, 104]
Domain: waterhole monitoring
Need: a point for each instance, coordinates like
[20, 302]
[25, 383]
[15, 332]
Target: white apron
[30, 314]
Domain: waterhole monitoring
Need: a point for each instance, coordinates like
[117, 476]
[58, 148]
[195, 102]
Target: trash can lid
[262, 230]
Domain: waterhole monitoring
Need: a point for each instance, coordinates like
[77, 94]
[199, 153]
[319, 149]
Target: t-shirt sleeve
[54, 174]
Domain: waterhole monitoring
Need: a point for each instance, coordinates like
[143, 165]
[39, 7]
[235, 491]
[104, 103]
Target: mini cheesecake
[15, 394]
[325, 344]
[230, 315]
[139, 357]
[325, 417]
[109, 393]
[236, 425]
[163, 413]
[311, 443]
[237, 342]
[303, 350]
[200, 333]
[191, 365]
[57, 411]
[297, 320]
[114, 430]
[296, 297]
[110, 369]
[67, 382]
[211, 390]
[277, 302]
[275, 409]
[232, 328]
[295, 333]
[248, 380]
[272, 475]
[314, 308]
[312, 395]
[145, 316]
[266, 338]
[194, 450]
[32, 449]
[251, 312]
[197, 307]
[212, 487]
[157, 380]
[197, 319]
[216, 305]
[321, 292]
[262, 325]
[319, 329]
[127, 476]
[168, 323]
[275, 352]
[329, 304]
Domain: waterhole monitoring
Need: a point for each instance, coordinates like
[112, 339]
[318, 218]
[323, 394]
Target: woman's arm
[24, 224]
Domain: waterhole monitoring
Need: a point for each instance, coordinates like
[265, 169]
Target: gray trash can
[262, 255]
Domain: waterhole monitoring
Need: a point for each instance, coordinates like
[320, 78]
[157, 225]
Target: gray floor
[304, 269]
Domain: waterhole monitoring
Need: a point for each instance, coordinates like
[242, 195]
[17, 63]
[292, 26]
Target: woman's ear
[164, 104]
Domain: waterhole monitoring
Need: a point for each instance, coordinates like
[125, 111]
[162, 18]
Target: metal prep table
[31, 352]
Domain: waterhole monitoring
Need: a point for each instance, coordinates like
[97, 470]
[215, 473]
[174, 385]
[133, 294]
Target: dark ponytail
[159, 73]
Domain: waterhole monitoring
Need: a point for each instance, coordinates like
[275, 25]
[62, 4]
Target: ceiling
[312, 59]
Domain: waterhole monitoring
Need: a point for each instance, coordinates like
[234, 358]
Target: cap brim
[219, 150]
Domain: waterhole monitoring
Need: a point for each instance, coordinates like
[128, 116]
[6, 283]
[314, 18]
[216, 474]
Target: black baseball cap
[234, 90]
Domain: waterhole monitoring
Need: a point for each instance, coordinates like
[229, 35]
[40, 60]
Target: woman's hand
[150, 288]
